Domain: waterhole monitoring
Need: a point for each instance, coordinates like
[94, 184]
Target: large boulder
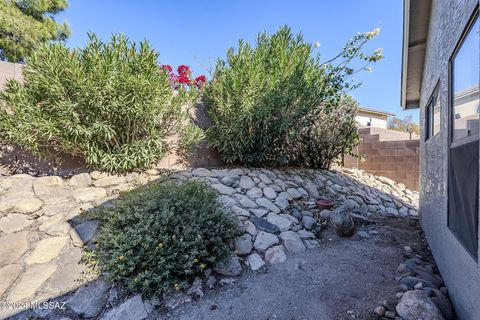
[89, 300]
[243, 244]
[81, 180]
[229, 267]
[255, 261]
[411, 282]
[292, 241]
[265, 240]
[416, 304]
[342, 222]
[280, 221]
[443, 304]
[246, 182]
[275, 254]
[132, 309]
[264, 225]
[87, 230]
[267, 204]
[223, 189]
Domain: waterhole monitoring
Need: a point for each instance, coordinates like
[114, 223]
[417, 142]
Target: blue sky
[196, 33]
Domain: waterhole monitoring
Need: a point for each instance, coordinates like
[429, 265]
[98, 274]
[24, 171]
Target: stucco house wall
[460, 271]
[371, 122]
[372, 118]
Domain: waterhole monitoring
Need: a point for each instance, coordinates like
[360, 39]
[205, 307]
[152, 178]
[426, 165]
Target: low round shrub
[109, 103]
[160, 236]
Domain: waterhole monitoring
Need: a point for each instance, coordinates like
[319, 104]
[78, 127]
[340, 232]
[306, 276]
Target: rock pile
[422, 294]
[42, 239]
[276, 208]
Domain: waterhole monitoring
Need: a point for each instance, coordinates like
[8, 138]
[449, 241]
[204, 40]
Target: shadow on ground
[344, 277]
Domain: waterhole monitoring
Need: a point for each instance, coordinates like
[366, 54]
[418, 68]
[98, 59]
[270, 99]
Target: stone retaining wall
[43, 238]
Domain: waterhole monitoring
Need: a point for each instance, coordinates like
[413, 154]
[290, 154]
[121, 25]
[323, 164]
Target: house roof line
[383, 113]
[471, 91]
[416, 22]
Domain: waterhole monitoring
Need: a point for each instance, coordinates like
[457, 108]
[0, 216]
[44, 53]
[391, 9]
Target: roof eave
[416, 20]
[406, 23]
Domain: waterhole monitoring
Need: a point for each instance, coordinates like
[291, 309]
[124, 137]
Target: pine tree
[26, 24]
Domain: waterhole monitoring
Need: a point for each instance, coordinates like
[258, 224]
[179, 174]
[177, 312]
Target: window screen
[463, 174]
[463, 195]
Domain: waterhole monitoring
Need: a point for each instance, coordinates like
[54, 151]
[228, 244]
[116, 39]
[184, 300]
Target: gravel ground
[343, 279]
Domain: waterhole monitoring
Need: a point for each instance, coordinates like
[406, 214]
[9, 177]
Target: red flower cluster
[184, 73]
[184, 70]
[200, 80]
[184, 76]
[167, 68]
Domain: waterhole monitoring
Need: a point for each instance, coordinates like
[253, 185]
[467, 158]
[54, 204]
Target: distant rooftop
[377, 112]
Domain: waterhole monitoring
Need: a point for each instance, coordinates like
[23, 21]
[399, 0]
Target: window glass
[429, 120]
[436, 113]
[465, 86]
[463, 172]
[432, 115]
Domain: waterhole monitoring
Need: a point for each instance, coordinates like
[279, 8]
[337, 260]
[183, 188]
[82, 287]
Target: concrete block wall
[398, 160]
[8, 71]
[204, 157]
[14, 159]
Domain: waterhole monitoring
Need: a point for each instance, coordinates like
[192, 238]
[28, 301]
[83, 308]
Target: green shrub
[109, 103]
[265, 100]
[258, 93]
[331, 134]
[159, 237]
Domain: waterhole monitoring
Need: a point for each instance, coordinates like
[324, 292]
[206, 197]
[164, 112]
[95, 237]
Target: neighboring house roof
[469, 93]
[375, 112]
[416, 20]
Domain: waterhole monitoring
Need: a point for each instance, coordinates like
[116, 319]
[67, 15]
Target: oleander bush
[160, 236]
[271, 102]
[332, 134]
[109, 103]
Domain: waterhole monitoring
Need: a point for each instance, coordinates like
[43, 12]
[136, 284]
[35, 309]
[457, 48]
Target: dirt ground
[345, 278]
